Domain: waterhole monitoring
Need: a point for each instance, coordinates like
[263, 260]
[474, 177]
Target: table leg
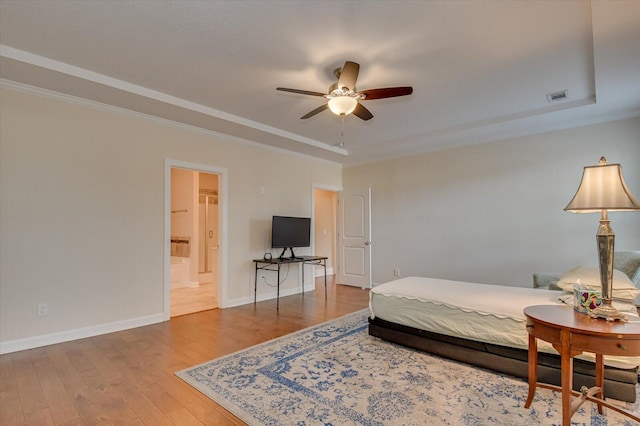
[278, 290]
[255, 286]
[303, 263]
[533, 370]
[324, 263]
[600, 379]
[566, 367]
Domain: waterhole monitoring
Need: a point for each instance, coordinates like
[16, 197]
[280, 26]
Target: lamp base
[608, 312]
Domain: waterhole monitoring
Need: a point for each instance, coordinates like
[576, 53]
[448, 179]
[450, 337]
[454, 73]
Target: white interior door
[354, 241]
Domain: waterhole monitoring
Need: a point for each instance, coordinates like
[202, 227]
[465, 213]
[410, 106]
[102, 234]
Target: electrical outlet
[43, 309]
[396, 272]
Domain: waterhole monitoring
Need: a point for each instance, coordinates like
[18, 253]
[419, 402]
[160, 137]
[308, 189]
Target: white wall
[82, 214]
[493, 213]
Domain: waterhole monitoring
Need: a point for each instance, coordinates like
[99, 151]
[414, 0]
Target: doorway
[325, 208]
[194, 241]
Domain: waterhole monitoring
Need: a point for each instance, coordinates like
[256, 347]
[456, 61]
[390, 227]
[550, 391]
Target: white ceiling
[480, 70]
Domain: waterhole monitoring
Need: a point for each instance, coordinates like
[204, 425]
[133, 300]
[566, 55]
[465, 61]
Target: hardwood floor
[127, 377]
[187, 300]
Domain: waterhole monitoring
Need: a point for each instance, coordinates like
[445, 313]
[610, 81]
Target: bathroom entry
[325, 205]
[194, 241]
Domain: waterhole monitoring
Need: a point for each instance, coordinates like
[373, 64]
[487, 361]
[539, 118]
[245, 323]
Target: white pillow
[623, 288]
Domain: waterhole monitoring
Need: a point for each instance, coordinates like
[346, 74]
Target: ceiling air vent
[557, 96]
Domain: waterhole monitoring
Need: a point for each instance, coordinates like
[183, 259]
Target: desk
[572, 333]
[276, 263]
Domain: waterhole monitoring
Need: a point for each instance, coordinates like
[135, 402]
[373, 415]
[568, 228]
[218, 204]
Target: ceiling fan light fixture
[343, 98]
[342, 105]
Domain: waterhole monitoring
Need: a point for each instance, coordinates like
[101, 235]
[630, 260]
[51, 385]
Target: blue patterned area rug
[336, 374]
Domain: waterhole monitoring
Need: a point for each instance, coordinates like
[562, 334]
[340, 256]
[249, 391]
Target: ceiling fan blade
[349, 75]
[389, 92]
[362, 112]
[300, 92]
[315, 111]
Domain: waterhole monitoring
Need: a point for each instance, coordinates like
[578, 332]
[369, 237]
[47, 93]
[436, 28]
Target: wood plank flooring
[126, 378]
[188, 300]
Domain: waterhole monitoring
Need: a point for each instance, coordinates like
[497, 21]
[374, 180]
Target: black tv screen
[290, 232]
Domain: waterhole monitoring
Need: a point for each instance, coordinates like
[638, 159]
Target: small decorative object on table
[584, 299]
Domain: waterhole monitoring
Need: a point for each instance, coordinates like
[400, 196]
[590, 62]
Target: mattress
[481, 312]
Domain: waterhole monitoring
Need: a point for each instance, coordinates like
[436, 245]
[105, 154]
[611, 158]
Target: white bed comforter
[481, 312]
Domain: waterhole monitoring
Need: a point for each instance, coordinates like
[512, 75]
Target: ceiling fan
[343, 97]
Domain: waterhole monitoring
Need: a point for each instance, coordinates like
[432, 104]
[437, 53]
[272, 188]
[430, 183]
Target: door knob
[367, 243]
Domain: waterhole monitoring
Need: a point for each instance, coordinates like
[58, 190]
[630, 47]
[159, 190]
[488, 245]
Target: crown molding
[71, 70]
[75, 100]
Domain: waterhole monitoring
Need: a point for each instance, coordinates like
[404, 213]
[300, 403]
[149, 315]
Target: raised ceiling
[481, 70]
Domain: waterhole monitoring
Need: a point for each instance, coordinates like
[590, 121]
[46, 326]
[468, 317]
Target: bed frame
[619, 383]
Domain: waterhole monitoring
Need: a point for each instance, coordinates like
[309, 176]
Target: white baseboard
[80, 333]
[320, 272]
[265, 296]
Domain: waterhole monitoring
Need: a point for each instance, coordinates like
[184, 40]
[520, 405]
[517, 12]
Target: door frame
[222, 229]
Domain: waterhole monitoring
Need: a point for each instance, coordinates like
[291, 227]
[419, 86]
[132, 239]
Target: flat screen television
[289, 232]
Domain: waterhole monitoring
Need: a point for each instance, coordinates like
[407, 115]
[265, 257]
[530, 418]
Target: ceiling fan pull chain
[342, 131]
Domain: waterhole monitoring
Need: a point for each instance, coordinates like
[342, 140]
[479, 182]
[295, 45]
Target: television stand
[275, 264]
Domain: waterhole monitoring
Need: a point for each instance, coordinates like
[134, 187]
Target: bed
[483, 325]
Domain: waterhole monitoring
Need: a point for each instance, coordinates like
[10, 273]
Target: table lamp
[603, 189]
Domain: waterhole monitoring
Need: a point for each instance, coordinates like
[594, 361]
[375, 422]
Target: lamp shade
[342, 105]
[602, 188]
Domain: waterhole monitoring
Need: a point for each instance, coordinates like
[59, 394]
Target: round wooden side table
[572, 333]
